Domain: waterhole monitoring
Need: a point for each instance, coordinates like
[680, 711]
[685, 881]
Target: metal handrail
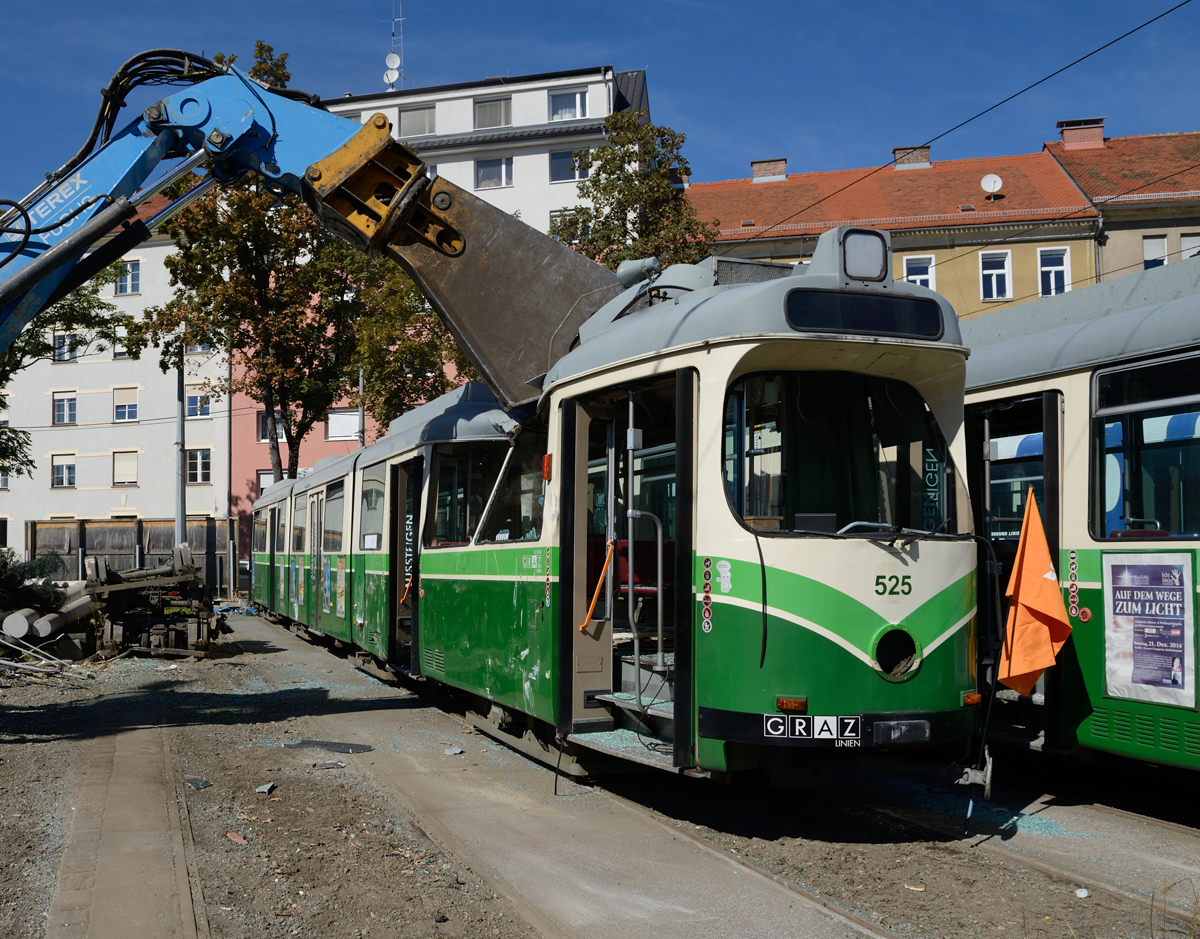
[658, 589]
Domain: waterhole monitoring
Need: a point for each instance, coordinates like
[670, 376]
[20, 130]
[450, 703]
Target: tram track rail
[986, 843]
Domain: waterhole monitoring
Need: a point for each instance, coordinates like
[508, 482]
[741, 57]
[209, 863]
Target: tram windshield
[814, 452]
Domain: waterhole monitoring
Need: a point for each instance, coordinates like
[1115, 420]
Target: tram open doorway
[1014, 445]
[632, 522]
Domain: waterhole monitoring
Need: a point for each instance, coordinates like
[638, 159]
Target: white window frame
[475, 112]
[506, 173]
[125, 485]
[261, 426]
[64, 396]
[577, 173]
[129, 284]
[197, 392]
[53, 466]
[581, 103]
[1008, 280]
[342, 412]
[1066, 268]
[422, 107]
[1165, 255]
[1195, 248]
[270, 481]
[125, 420]
[932, 269]
[200, 464]
[62, 347]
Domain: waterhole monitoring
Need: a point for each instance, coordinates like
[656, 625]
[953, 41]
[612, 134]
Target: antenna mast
[395, 61]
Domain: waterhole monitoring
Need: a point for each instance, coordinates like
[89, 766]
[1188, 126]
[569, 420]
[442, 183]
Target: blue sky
[826, 84]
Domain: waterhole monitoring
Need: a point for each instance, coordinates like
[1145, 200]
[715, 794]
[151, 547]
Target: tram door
[404, 514]
[621, 472]
[272, 575]
[317, 579]
[1014, 445]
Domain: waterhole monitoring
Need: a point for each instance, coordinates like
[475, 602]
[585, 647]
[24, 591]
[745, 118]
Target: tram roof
[724, 298]
[1138, 314]
[468, 412]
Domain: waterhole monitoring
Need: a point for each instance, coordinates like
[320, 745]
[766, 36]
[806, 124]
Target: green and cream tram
[732, 533]
[1092, 398]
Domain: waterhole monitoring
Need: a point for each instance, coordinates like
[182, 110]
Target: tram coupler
[979, 777]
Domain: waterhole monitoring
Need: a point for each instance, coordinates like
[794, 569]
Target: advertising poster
[1149, 638]
[328, 606]
[341, 587]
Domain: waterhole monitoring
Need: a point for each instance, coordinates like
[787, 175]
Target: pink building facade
[250, 454]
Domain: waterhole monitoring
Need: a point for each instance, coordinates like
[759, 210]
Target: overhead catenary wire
[962, 124]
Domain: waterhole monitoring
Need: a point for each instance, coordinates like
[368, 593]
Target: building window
[1189, 245]
[495, 112]
[125, 468]
[3, 533]
[559, 216]
[62, 472]
[199, 466]
[119, 351]
[418, 122]
[563, 168]
[492, 174]
[342, 424]
[996, 272]
[197, 402]
[64, 407]
[264, 429]
[66, 346]
[919, 271]
[3, 479]
[265, 478]
[1052, 266]
[197, 348]
[131, 280]
[125, 405]
[568, 105]
[1154, 251]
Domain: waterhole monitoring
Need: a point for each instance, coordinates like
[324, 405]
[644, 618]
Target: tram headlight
[864, 255]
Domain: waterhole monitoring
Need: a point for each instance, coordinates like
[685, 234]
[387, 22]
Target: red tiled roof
[1146, 168]
[1035, 187]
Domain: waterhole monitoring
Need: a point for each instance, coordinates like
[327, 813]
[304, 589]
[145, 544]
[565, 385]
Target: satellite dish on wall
[392, 60]
[991, 184]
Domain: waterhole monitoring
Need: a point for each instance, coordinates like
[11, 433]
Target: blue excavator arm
[512, 297]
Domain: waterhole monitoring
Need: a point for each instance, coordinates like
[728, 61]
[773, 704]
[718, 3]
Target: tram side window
[299, 524]
[334, 518]
[281, 529]
[1146, 452]
[466, 474]
[516, 513]
[817, 451]
[370, 522]
[260, 532]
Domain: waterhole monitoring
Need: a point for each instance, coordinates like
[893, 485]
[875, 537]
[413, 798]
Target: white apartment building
[509, 140]
[103, 425]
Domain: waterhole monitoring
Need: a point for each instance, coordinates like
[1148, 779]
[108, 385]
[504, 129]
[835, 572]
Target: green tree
[403, 346]
[79, 324]
[636, 208]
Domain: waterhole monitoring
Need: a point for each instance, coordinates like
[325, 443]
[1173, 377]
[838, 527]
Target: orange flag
[1037, 617]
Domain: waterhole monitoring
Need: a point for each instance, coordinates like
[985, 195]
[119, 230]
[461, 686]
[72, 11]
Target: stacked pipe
[76, 606]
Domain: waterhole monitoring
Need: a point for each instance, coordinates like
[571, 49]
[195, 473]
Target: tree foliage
[24, 583]
[296, 309]
[403, 346]
[636, 208]
[86, 324]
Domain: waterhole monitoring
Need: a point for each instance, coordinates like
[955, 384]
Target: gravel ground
[889, 872]
[323, 854]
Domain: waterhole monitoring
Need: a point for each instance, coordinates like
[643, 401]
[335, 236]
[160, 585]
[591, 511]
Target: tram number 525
[893, 586]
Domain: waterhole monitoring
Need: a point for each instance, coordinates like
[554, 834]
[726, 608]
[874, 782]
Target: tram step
[629, 745]
[655, 707]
